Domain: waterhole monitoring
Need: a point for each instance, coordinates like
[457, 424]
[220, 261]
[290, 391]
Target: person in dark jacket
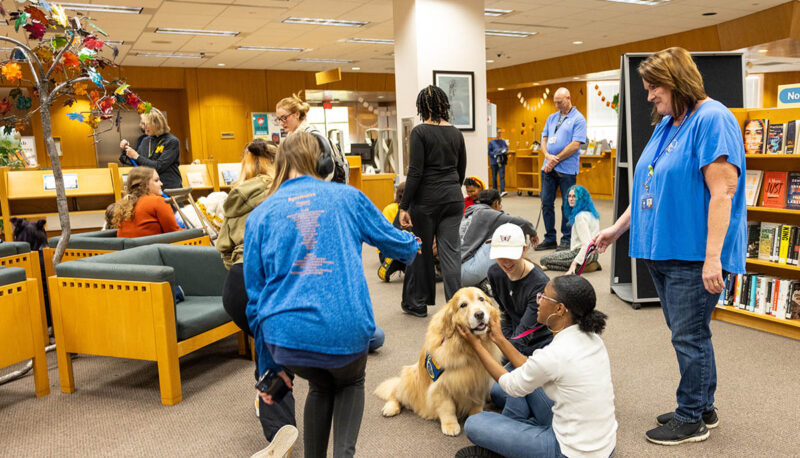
[432, 202]
[160, 150]
[479, 223]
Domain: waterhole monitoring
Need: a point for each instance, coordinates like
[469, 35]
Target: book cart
[767, 162]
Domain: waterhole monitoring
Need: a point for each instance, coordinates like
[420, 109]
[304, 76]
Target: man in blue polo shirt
[562, 137]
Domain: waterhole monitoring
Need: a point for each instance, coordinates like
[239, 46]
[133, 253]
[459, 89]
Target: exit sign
[327, 105]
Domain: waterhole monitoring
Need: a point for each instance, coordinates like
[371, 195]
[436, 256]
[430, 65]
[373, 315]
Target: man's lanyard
[560, 121]
[662, 149]
[159, 148]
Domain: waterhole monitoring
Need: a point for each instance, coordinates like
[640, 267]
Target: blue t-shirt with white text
[572, 129]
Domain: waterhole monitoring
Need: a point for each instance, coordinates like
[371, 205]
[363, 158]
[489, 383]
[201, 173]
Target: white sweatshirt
[585, 227]
[574, 372]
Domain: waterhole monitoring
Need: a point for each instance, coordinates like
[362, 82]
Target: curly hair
[583, 203]
[578, 296]
[433, 105]
[137, 186]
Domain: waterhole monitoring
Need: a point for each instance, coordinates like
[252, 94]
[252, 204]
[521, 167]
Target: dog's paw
[391, 408]
[451, 428]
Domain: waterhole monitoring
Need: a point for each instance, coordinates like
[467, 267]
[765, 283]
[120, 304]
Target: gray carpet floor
[116, 411]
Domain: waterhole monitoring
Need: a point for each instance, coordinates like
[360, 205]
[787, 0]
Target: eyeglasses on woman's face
[282, 119]
[541, 296]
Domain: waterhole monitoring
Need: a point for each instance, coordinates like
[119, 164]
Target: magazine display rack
[768, 162]
[29, 194]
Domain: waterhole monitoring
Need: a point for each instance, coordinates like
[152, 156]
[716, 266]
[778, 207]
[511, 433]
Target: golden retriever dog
[461, 383]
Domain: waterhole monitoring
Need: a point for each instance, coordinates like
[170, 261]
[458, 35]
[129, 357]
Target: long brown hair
[137, 186]
[294, 104]
[299, 153]
[258, 159]
[674, 69]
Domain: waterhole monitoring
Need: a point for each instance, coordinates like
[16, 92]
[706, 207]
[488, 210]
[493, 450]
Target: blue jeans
[501, 170]
[376, 341]
[524, 429]
[551, 181]
[687, 307]
[474, 269]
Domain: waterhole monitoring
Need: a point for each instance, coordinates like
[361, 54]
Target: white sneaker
[258, 413]
[281, 445]
[503, 194]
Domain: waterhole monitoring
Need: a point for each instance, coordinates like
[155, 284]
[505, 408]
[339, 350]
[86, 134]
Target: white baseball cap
[508, 241]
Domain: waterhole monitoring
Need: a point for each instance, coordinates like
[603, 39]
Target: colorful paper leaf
[35, 30]
[44, 54]
[37, 15]
[85, 54]
[12, 71]
[71, 60]
[5, 106]
[93, 43]
[44, 4]
[23, 103]
[80, 88]
[58, 42]
[69, 102]
[92, 121]
[96, 78]
[122, 88]
[107, 104]
[75, 116]
[22, 18]
[60, 15]
[16, 92]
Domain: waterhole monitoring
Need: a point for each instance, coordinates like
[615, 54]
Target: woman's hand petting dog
[467, 334]
[495, 330]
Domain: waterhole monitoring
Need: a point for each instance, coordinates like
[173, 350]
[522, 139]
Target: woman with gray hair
[160, 150]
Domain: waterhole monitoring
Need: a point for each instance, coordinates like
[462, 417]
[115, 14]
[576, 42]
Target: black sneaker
[563, 247]
[676, 432]
[546, 246]
[421, 312]
[474, 451]
[710, 418]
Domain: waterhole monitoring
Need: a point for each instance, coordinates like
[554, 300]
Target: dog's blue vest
[434, 371]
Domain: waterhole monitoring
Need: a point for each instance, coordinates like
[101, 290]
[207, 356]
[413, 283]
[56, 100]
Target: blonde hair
[294, 104]
[674, 69]
[157, 119]
[299, 153]
[258, 159]
[137, 186]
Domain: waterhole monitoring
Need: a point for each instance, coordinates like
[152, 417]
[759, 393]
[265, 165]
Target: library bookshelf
[767, 162]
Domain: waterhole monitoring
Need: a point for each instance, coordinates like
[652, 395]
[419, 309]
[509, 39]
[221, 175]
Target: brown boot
[592, 266]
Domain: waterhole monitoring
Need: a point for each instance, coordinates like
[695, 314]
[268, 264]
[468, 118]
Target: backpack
[332, 166]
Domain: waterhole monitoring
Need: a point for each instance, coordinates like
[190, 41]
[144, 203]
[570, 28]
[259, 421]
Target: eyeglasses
[540, 296]
[282, 119]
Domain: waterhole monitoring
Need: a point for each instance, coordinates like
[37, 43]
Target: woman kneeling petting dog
[309, 307]
[561, 400]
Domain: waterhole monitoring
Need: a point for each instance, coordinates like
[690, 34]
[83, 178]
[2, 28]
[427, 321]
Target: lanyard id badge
[647, 199]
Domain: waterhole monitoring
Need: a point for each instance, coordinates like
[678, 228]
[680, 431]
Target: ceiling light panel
[374, 41]
[494, 12]
[327, 61]
[102, 8]
[269, 48]
[640, 2]
[509, 33]
[207, 33]
[320, 21]
[176, 55]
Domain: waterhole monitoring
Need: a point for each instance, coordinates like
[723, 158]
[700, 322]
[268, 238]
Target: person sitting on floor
[143, 211]
[474, 186]
[585, 223]
[388, 265]
[561, 398]
[479, 223]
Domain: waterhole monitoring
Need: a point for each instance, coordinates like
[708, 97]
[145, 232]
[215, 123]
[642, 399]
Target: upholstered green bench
[123, 304]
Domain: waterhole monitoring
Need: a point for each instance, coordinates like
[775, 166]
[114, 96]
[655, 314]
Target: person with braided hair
[561, 399]
[432, 203]
[143, 211]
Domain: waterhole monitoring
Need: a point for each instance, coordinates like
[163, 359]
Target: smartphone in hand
[272, 384]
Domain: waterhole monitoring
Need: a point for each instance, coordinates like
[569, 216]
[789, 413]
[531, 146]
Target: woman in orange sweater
[143, 211]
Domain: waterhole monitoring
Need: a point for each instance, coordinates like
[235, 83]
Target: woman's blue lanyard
[662, 149]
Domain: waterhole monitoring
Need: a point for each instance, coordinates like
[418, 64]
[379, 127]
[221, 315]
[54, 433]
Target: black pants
[442, 221]
[234, 300]
[334, 396]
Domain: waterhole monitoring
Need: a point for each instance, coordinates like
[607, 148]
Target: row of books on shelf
[776, 189]
[777, 297]
[773, 242]
[764, 137]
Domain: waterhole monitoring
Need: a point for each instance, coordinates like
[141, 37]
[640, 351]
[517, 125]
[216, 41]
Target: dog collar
[434, 371]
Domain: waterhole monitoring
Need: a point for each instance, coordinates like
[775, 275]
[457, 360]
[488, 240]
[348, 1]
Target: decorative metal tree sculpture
[64, 57]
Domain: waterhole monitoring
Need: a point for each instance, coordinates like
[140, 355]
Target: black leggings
[234, 299]
[334, 395]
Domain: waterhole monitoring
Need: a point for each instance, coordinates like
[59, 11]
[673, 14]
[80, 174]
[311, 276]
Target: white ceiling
[598, 23]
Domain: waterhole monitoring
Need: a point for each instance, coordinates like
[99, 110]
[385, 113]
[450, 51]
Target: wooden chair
[22, 325]
[122, 304]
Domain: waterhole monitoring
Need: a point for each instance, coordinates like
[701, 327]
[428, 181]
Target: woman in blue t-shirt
[309, 307]
[688, 222]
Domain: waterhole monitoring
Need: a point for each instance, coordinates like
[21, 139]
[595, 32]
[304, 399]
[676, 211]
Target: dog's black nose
[479, 315]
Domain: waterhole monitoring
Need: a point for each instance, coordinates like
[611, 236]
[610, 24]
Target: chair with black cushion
[22, 325]
[19, 254]
[88, 244]
[123, 304]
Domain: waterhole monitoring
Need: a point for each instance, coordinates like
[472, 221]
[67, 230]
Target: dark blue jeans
[687, 307]
[498, 169]
[551, 181]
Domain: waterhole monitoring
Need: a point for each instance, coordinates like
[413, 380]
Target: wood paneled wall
[511, 114]
[782, 21]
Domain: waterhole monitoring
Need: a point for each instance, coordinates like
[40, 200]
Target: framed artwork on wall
[460, 90]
